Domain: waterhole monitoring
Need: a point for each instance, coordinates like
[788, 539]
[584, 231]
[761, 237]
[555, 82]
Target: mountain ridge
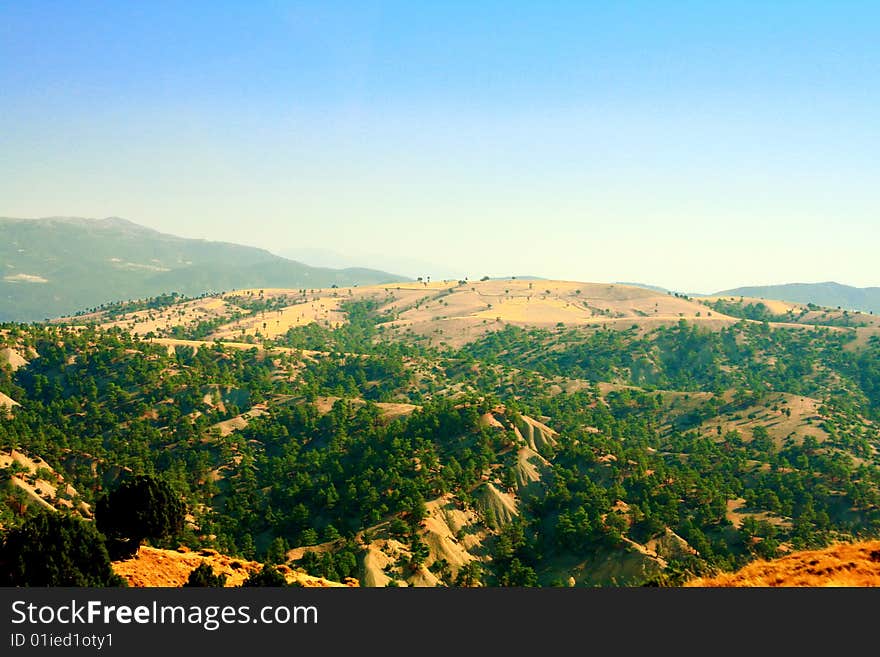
[828, 293]
[59, 265]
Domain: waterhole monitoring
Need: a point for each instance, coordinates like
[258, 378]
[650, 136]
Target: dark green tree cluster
[55, 549]
[140, 508]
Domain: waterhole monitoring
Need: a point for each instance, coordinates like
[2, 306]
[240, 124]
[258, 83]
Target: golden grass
[842, 564]
[455, 312]
[270, 324]
[152, 567]
[794, 416]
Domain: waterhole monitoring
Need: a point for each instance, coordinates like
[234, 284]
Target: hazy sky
[695, 145]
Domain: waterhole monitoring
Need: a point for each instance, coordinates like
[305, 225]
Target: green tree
[277, 552]
[203, 575]
[469, 575]
[140, 508]
[55, 549]
[268, 576]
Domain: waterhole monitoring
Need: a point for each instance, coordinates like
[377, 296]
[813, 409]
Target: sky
[694, 145]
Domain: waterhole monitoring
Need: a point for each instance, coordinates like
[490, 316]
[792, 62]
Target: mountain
[830, 294]
[58, 265]
[476, 433]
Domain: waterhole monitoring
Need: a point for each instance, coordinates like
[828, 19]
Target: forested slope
[552, 456]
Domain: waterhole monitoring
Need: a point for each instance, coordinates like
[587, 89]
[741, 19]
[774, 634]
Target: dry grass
[152, 567]
[865, 325]
[443, 311]
[736, 512]
[843, 564]
[390, 410]
[459, 313]
[320, 308]
[774, 306]
[794, 416]
[157, 321]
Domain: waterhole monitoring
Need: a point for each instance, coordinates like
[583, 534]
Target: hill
[449, 313]
[829, 294]
[455, 433]
[59, 265]
[842, 564]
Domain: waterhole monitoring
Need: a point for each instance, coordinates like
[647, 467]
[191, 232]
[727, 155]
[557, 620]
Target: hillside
[152, 567]
[572, 434]
[30, 481]
[777, 313]
[829, 294]
[60, 265]
[842, 564]
[451, 313]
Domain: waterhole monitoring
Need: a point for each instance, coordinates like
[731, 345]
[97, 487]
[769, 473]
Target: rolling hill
[829, 294]
[455, 313]
[59, 265]
[455, 433]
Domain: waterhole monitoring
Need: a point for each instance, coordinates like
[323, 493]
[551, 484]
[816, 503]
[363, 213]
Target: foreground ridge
[154, 567]
[842, 564]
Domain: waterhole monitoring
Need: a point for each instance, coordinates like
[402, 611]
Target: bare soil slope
[454, 312]
[38, 484]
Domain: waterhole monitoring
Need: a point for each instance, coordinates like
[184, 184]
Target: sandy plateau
[452, 312]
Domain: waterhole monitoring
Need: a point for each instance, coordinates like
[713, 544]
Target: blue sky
[693, 145]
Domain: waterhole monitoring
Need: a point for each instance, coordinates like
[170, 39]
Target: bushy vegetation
[319, 461]
[203, 576]
[55, 549]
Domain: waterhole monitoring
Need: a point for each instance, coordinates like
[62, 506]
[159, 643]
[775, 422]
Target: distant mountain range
[59, 265]
[830, 294]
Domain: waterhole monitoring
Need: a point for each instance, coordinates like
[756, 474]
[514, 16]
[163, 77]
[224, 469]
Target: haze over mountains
[60, 265]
